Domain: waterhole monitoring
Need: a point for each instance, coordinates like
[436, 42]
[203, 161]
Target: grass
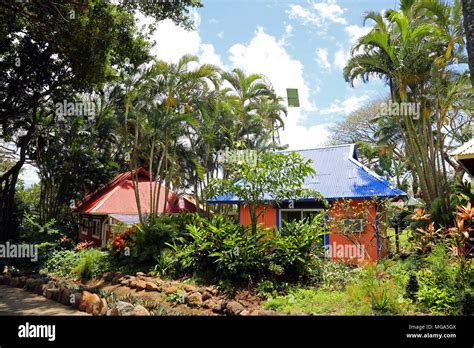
[402, 237]
[316, 302]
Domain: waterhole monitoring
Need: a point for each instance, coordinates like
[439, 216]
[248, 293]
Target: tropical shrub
[150, 238]
[227, 250]
[83, 264]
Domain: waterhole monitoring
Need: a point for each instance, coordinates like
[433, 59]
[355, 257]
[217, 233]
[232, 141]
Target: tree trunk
[468, 12]
[8, 181]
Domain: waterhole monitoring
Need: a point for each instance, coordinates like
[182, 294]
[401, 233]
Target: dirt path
[14, 301]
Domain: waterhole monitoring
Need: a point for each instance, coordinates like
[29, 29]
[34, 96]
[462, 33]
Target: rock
[123, 308]
[116, 279]
[194, 299]
[6, 279]
[1, 279]
[75, 299]
[93, 301]
[152, 287]
[206, 295]
[216, 306]
[189, 288]
[100, 308]
[140, 274]
[87, 301]
[108, 276]
[169, 290]
[65, 296]
[212, 290]
[47, 287]
[22, 281]
[126, 282]
[140, 311]
[209, 304]
[244, 313]
[51, 294]
[233, 308]
[14, 281]
[30, 284]
[138, 284]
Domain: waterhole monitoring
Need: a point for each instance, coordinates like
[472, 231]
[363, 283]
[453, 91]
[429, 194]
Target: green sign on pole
[292, 95]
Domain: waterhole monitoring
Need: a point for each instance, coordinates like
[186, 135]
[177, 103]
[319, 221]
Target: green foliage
[412, 287]
[435, 299]
[336, 275]
[149, 239]
[83, 264]
[223, 249]
[468, 302]
[277, 175]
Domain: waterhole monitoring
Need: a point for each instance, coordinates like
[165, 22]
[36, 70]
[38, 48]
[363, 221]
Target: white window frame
[96, 236]
[361, 221]
[301, 210]
[85, 226]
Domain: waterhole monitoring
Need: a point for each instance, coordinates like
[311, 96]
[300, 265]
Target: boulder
[22, 281]
[189, 288]
[233, 308]
[212, 290]
[30, 284]
[206, 295]
[194, 299]
[169, 290]
[117, 279]
[140, 274]
[108, 276]
[14, 281]
[100, 308]
[138, 284]
[126, 282]
[152, 287]
[121, 308]
[140, 311]
[47, 287]
[75, 299]
[51, 294]
[6, 279]
[87, 301]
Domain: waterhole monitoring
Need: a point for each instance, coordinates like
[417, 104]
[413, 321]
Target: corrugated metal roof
[127, 219]
[464, 150]
[339, 175]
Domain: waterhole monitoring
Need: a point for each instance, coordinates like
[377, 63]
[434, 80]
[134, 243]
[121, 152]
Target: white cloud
[288, 29]
[266, 55]
[340, 58]
[173, 41]
[355, 32]
[320, 14]
[220, 34]
[322, 58]
[345, 107]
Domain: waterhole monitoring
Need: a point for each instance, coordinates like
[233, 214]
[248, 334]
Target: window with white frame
[354, 225]
[85, 226]
[96, 228]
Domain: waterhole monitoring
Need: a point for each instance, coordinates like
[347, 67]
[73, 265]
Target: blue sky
[296, 44]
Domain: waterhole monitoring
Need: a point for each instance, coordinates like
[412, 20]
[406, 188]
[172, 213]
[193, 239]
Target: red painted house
[353, 192]
[113, 206]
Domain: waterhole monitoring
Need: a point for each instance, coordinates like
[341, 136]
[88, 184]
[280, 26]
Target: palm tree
[412, 50]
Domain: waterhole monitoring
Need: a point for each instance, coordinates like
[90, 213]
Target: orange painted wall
[367, 238]
[268, 218]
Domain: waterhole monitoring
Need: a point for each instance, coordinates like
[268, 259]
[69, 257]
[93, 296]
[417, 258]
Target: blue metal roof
[339, 175]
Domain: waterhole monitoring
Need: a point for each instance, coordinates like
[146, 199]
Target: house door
[104, 234]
